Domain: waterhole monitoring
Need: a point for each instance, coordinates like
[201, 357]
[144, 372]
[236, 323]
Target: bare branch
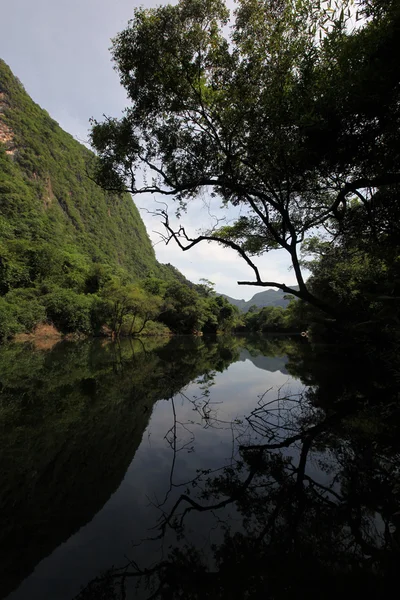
[181, 234]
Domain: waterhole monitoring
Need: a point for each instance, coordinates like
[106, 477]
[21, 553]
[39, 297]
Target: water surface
[209, 456]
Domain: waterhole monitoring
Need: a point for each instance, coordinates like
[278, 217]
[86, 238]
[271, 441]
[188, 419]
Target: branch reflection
[308, 505]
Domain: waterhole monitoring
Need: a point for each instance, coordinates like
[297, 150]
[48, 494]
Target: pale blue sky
[59, 50]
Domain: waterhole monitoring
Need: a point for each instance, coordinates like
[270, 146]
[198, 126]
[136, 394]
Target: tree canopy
[286, 109]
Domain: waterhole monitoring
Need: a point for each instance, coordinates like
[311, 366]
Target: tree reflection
[71, 420]
[308, 507]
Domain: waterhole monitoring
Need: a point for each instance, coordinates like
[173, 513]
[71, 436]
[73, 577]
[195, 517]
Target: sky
[59, 49]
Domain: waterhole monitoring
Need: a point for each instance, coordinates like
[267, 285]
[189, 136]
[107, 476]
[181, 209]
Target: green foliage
[8, 320]
[270, 318]
[297, 109]
[47, 194]
[28, 307]
[183, 310]
[20, 310]
[69, 311]
[129, 307]
[155, 328]
[70, 253]
[360, 274]
[297, 315]
[220, 314]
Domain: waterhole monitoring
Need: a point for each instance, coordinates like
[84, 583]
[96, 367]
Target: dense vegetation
[72, 254]
[273, 319]
[294, 119]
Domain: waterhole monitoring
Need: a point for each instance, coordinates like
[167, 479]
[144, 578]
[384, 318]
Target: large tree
[288, 116]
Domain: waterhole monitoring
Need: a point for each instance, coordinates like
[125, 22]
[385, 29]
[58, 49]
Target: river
[227, 467]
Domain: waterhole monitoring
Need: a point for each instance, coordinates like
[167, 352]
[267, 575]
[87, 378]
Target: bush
[100, 313]
[155, 328]
[69, 311]
[9, 325]
[27, 308]
[152, 328]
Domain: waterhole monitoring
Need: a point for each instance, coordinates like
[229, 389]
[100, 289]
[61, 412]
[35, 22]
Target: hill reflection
[71, 419]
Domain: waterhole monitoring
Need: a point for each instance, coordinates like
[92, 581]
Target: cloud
[61, 54]
[221, 265]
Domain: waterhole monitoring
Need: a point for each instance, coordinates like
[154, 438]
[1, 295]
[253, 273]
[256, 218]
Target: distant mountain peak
[269, 297]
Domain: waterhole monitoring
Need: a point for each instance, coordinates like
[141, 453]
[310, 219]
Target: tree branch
[177, 235]
[280, 286]
[363, 182]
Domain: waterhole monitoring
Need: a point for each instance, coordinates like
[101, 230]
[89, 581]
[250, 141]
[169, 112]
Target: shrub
[100, 313]
[69, 311]
[27, 308]
[8, 320]
[155, 328]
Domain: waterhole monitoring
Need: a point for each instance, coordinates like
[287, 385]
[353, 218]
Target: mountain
[50, 208]
[269, 297]
[62, 238]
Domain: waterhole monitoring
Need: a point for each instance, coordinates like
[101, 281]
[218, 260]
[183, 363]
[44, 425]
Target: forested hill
[72, 256]
[261, 299]
[54, 220]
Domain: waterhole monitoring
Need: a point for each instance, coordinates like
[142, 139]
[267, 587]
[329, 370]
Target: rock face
[6, 133]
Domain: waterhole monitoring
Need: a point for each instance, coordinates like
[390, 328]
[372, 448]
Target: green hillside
[73, 255]
[53, 217]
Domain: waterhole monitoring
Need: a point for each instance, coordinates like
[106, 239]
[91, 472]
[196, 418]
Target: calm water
[209, 468]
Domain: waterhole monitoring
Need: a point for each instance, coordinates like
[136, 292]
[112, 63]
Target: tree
[183, 309]
[281, 119]
[128, 305]
[206, 287]
[360, 274]
[219, 314]
[143, 308]
[69, 311]
[269, 318]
